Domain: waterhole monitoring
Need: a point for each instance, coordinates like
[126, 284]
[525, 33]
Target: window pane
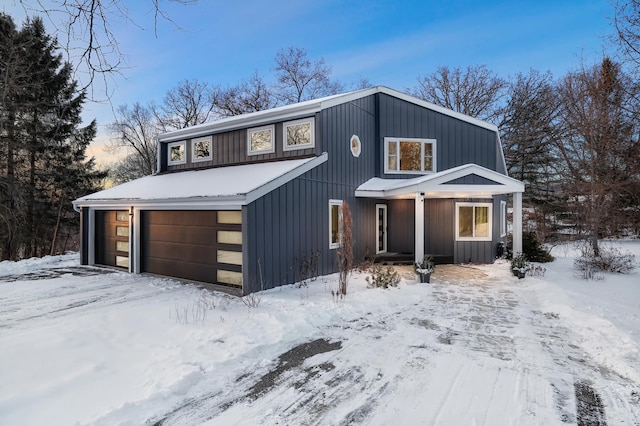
[234, 217]
[122, 231]
[428, 157]
[122, 261]
[392, 163]
[201, 149]
[335, 224]
[176, 153]
[299, 134]
[230, 237]
[229, 277]
[410, 156]
[122, 216]
[465, 221]
[393, 148]
[261, 140]
[230, 257]
[482, 222]
[122, 246]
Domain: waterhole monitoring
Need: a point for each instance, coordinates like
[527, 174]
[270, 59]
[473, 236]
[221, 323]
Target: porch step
[407, 259]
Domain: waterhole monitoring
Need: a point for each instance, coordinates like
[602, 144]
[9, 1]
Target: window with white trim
[260, 140]
[473, 221]
[335, 219]
[503, 218]
[201, 149]
[176, 153]
[299, 134]
[406, 155]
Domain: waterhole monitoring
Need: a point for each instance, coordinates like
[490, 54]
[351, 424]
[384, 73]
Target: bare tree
[249, 95]
[135, 130]
[475, 92]
[300, 79]
[626, 21]
[190, 103]
[599, 147]
[85, 29]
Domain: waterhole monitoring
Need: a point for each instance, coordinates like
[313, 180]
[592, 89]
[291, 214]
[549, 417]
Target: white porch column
[419, 228]
[517, 222]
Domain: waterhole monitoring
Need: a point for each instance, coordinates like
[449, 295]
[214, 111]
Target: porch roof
[469, 180]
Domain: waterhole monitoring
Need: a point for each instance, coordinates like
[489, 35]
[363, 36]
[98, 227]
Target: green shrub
[533, 250]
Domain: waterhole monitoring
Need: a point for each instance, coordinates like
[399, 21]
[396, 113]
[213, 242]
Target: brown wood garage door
[202, 246]
[112, 238]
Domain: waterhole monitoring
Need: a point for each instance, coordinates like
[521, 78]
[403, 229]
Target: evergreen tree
[43, 144]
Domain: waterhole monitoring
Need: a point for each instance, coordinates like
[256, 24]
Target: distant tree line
[42, 145]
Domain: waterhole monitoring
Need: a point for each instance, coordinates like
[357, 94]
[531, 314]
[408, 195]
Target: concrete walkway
[445, 273]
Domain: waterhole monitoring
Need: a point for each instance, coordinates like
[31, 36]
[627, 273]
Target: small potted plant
[519, 265]
[425, 268]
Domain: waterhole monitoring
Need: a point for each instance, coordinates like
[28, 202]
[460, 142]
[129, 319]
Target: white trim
[272, 129]
[419, 227]
[332, 203]
[384, 226]
[435, 185]
[355, 138]
[489, 220]
[503, 218]
[423, 142]
[184, 151]
[194, 159]
[517, 222]
[312, 130]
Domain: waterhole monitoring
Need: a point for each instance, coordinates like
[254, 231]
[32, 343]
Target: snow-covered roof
[237, 185]
[440, 184]
[308, 108]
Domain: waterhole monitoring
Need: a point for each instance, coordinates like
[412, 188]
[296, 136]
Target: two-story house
[246, 201]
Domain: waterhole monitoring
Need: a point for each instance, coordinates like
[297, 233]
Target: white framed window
[473, 221]
[299, 134]
[335, 219]
[201, 149]
[503, 218]
[261, 140]
[356, 146]
[406, 155]
[176, 153]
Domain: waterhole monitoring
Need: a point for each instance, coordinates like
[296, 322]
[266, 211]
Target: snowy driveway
[485, 350]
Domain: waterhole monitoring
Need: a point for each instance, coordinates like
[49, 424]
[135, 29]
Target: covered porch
[473, 197]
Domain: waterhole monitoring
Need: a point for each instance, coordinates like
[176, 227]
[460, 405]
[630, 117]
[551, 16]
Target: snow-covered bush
[384, 277]
[610, 259]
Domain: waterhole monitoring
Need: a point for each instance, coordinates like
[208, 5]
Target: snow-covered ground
[481, 348]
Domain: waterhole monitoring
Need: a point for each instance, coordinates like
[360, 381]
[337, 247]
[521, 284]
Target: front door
[381, 228]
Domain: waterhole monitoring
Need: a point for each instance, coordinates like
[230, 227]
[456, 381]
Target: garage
[203, 246]
[112, 242]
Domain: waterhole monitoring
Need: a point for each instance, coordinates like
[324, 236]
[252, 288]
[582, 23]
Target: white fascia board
[369, 194]
[196, 203]
[282, 179]
[501, 151]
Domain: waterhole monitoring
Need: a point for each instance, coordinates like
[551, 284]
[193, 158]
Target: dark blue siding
[471, 179]
[458, 142]
[292, 222]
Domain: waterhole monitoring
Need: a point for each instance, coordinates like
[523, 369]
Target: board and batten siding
[229, 148]
[291, 224]
[457, 142]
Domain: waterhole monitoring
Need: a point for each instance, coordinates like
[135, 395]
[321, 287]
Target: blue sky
[388, 42]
